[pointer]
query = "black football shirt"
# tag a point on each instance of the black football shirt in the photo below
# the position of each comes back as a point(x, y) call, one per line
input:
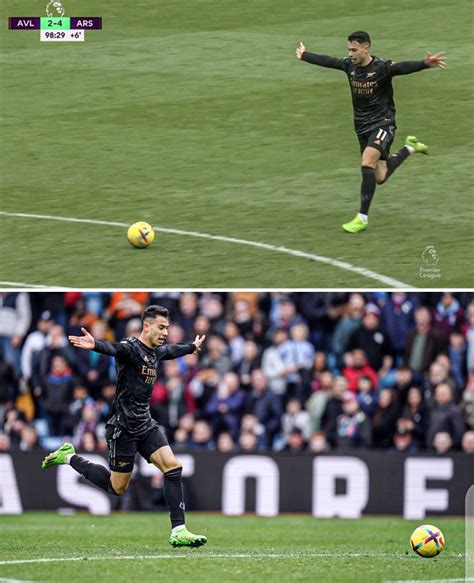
point(136, 365)
point(371, 87)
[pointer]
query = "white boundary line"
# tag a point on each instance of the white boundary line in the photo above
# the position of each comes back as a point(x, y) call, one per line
point(200, 555)
point(18, 284)
point(430, 580)
point(394, 283)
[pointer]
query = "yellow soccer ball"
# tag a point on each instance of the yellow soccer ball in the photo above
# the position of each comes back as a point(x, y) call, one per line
point(140, 234)
point(427, 541)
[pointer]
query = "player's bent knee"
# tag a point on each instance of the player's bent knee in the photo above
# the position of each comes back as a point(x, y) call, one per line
point(165, 460)
point(370, 157)
point(381, 172)
point(119, 490)
point(119, 484)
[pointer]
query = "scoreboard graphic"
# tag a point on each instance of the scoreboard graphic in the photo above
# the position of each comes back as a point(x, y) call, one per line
point(55, 26)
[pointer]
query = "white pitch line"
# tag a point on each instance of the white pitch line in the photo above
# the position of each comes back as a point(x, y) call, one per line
point(431, 580)
point(203, 555)
point(22, 284)
point(394, 283)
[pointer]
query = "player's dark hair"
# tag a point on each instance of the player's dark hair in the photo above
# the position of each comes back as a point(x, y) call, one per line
point(154, 311)
point(359, 36)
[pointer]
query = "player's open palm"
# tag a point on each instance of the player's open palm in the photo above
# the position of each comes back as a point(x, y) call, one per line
point(86, 342)
point(198, 342)
point(300, 50)
point(437, 60)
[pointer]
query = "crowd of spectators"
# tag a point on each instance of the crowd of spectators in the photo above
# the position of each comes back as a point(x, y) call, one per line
point(294, 372)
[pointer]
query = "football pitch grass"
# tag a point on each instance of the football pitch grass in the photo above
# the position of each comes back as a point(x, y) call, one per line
point(199, 119)
point(134, 547)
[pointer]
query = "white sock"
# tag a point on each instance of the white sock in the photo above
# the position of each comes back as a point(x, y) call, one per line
point(178, 528)
point(67, 459)
point(362, 217)
point(411, 149)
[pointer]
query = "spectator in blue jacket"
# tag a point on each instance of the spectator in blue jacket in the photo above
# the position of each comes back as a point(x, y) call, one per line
point(57, 394)
point(93, 367)
point(367, 395)
point(397, 319)
point(353, 427)
point(447, 315)
point(457, 357)
point(201, 436)
point(224, 409)
point(265, 405)
point(350, 321)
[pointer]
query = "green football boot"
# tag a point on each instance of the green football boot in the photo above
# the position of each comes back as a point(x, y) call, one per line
point(355, 225)
point(59, 456)
point(419, 147)
point(184, 538)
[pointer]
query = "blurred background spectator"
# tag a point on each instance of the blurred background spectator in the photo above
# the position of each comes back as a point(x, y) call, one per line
point(353, 427)
point(448, 315)
point(445, 416)
point(469, 335)
point(372, 340)
point(297, 372)
point(397, 318)
point(318, 443)
point(403, 440)
point(384, 419)
point(424, 343)
point(294, 441)
point(415, 417)
point(351, 319)
point(15, 320)
point(297, 355)
point(224, 409)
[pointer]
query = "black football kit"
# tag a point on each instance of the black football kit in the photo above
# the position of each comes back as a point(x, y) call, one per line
point(130, 427)
point(372, 95)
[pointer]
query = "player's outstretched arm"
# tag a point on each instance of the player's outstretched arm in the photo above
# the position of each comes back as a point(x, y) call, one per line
point(315, 59)
point(86, 342)
point(430, 61)
point(172, 351)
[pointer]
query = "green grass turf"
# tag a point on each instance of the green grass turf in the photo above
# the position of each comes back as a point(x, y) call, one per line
point(295, 548)
point(199, 117)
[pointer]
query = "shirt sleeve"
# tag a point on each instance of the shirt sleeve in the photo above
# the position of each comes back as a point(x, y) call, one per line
point(323, 61)
point(121, 350)
point(172, 351)
point(407, 67)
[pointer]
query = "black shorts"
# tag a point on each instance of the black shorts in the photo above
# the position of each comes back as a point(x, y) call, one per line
point(381, 139)
point(123, 447)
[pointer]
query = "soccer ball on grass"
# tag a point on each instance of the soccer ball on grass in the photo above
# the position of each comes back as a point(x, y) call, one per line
point(140, 234)
point(427, 541)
